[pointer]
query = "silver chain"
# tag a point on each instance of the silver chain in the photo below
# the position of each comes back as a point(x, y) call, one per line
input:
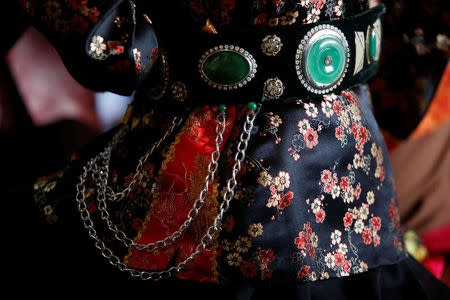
point(101, 178)
point(101, 181)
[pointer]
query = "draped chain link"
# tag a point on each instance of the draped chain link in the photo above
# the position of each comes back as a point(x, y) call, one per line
point(100, 178)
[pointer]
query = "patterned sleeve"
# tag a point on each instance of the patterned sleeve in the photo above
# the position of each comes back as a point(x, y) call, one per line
point(105, 45)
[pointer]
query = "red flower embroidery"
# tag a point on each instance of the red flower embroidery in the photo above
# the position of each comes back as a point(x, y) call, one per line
point(115, 47)
point(376, 223)
point(344, 183)
point(266, 273)
point(286, 200)
point(367, 236)
point(229, 223)
point(301, 240)
point(326, 176)
point(339, 259)
point(338, 132)
point(337, 107)
point(303, 272)
point(249, 269)
point(265, 256)
point(311, 138)
point(320, 216)
point(348, 219)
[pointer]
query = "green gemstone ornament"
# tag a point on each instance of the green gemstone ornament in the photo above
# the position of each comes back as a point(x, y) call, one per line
point(252, 106)
point(222, 107)
point(226, 67)
point(326, 61)
point(372, 45)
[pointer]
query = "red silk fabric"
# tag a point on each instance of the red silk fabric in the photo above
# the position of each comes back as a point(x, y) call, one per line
point(180, 181)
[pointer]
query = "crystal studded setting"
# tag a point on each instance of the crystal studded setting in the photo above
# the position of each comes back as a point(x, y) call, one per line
point(271, 45)
point(273, 88)
point(227, 67)
point(322, 59)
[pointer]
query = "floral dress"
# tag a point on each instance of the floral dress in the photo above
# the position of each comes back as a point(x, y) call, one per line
point(314, 199)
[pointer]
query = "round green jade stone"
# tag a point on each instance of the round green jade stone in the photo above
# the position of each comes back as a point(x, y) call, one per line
point(373, 45)
point(326, 61)
point(252, 106)
point(226, 67)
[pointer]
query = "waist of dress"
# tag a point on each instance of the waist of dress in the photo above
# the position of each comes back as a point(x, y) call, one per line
point(282, 64)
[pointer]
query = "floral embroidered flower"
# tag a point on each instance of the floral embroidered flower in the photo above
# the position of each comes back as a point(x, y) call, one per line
point(329, 260)
point(348, 219)
point(53, 9)
point(243, 244)
point(264, 178)
point(342, 248)
point(337, 107)
point(266, 273)
point(327, 109)
point(316, 205)
point(255, 229)
point(311, 110)
point(324, 275)
point(234, 259)
point(273, 200)
point(359, 226)
point(249, 269)
point(115, 47)
point(311, 138)
point(325, 176)
point(97, 45)
point(335, 191)
point(336, 237)
point(137, 59)
point(346, 268)
point(266, 256)
point(376, 223)
point(363, 267)
point(289, 18)
point(367, 236)
point(349, 194)
point(344, 183)
point(282, 181)
point(303, 126)
point(338, 132)
point(301, 240)
point(338, 8)
point(286, 200)
point(320, 216)
point(370, 197)
point(362, 135)
point(364, 211)
point(304, 271)
point(93, 14)
point(229, 223)
point(314, 240)
point(275, 120)
point(339, 259)
point(330, 97)
point(376, 240)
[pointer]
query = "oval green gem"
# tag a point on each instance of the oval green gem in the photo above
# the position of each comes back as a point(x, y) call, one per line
point(372, 45)
point(326, 60)
point(226, 67)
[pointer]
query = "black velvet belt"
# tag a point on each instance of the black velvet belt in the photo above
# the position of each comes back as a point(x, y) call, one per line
point(270, 64)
